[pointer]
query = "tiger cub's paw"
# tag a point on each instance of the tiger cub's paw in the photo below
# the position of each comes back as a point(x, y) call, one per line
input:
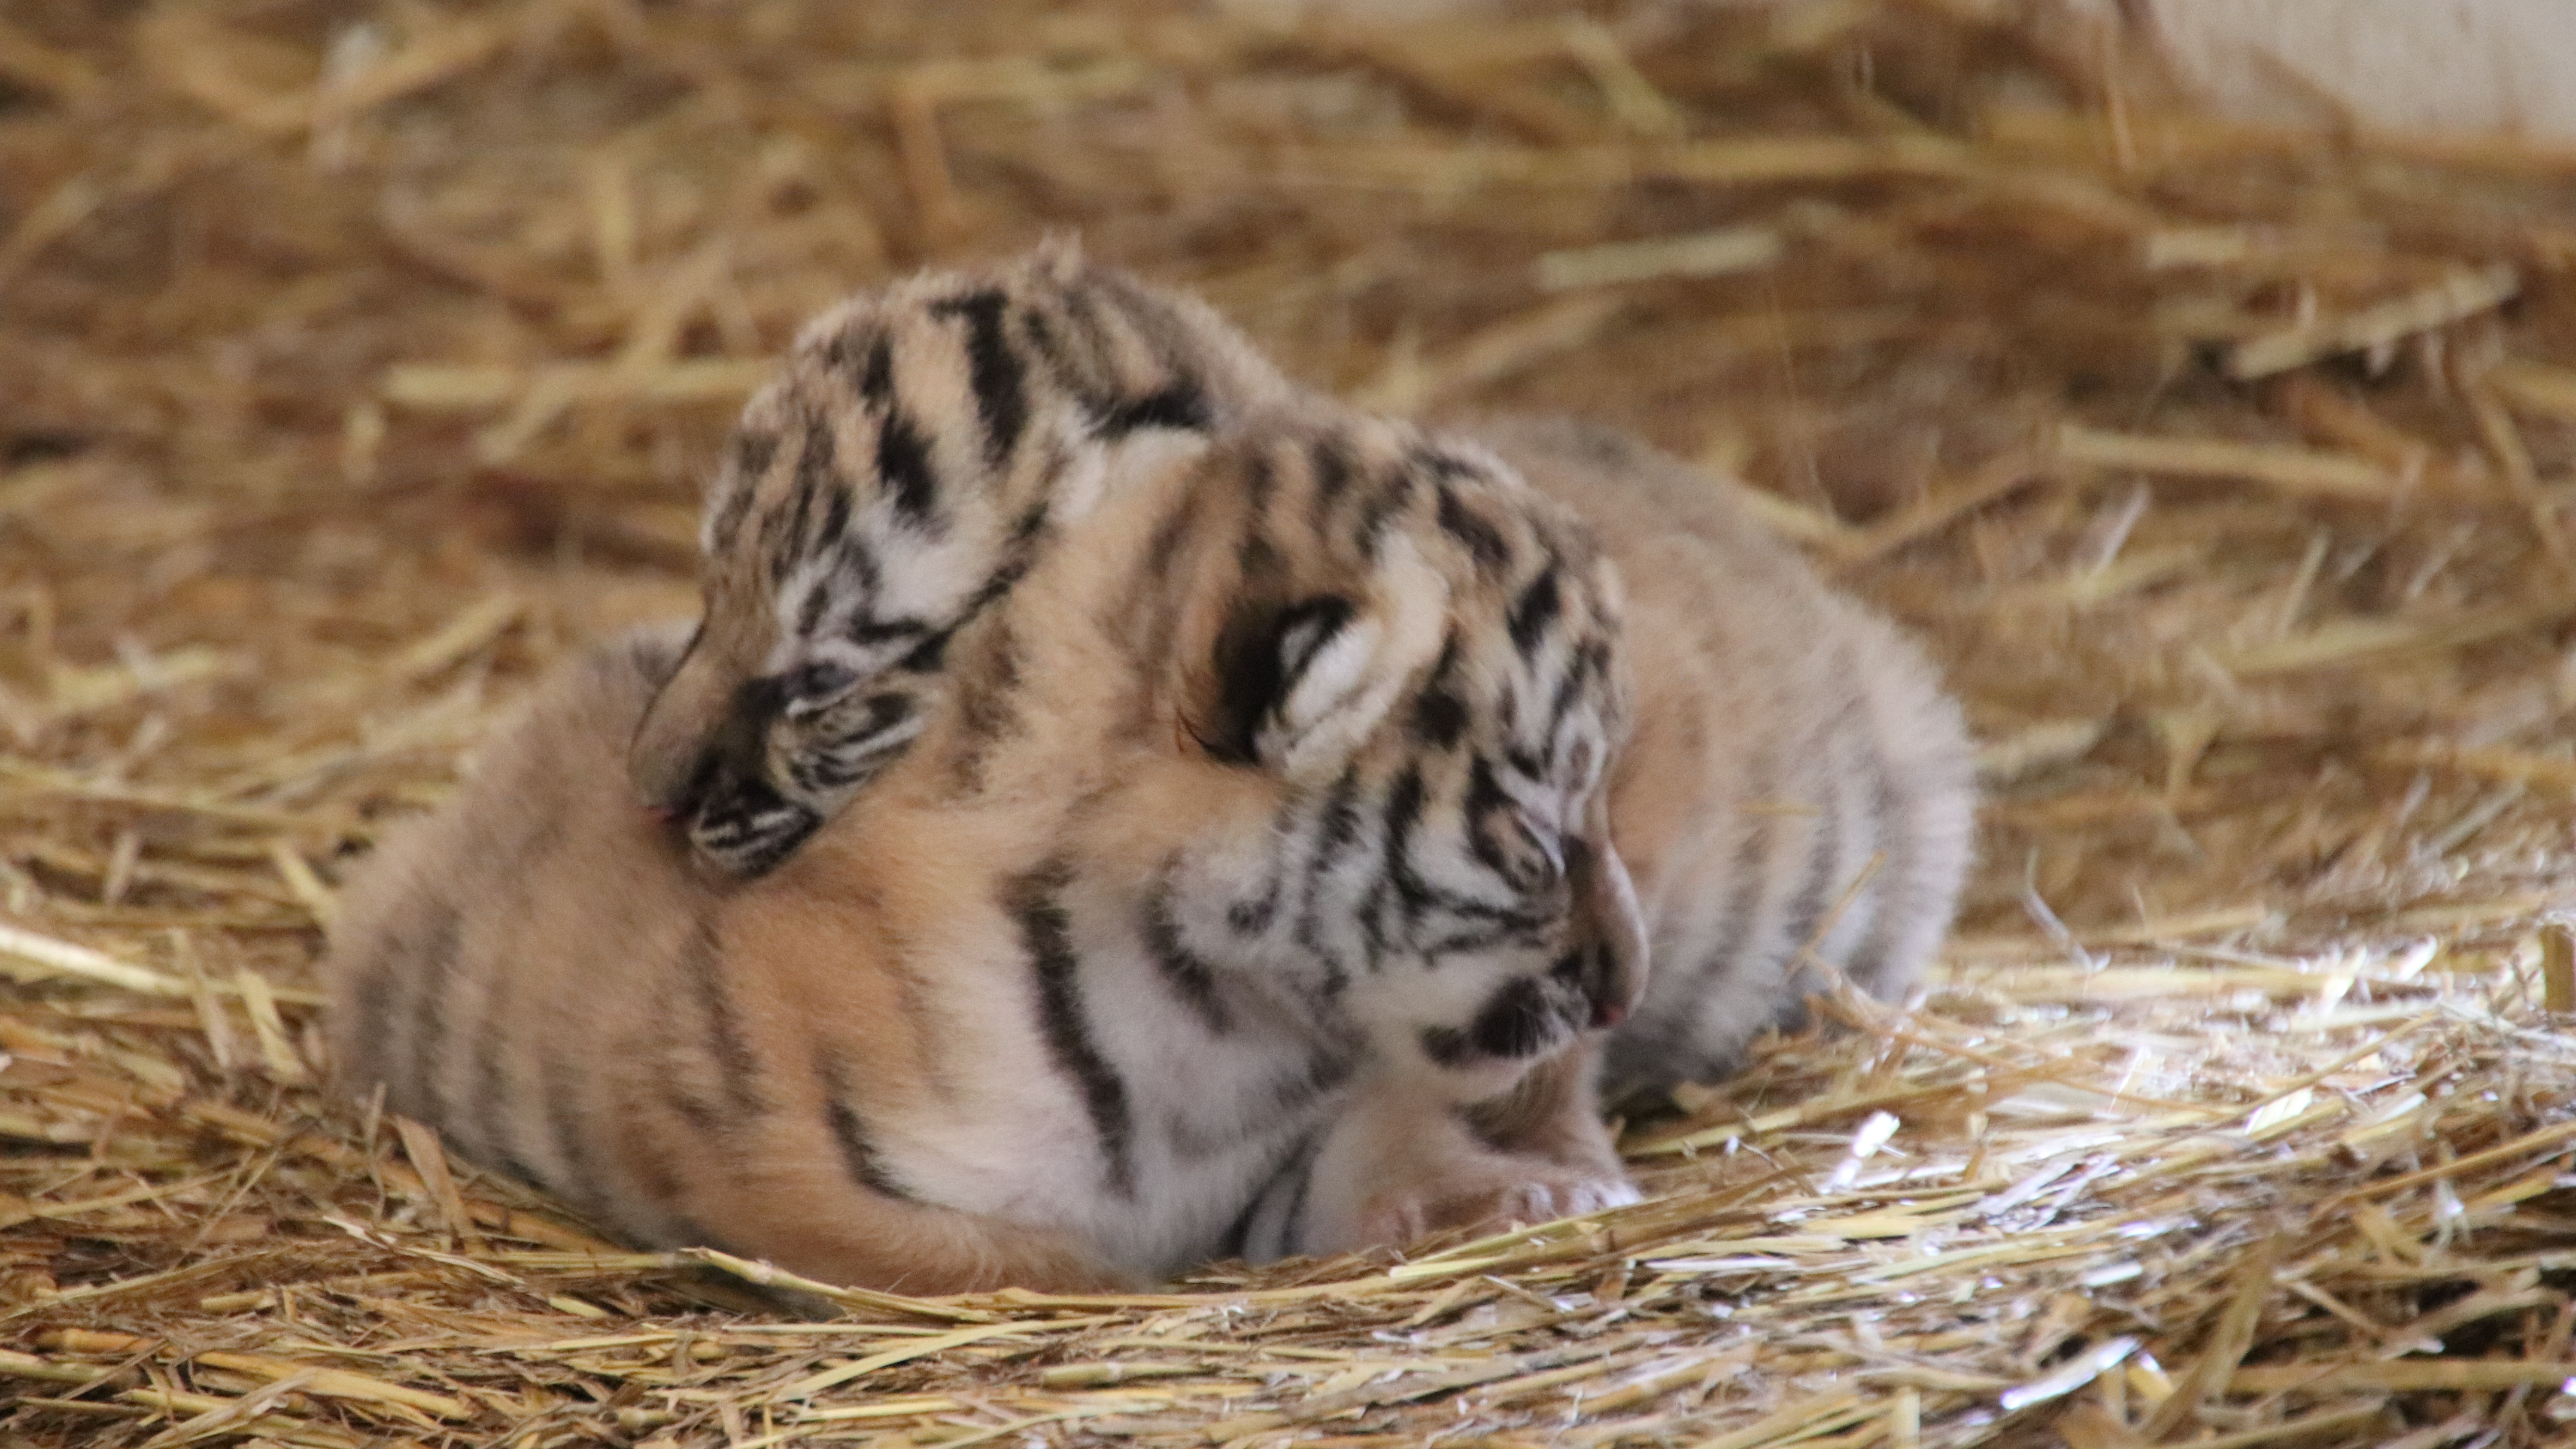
point(1490, 1197)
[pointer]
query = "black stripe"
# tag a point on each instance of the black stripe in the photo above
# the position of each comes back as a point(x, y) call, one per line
point(986, 709)
point(373, 1001)
point(1735, 927)
point(699, 1112)
point(857, 563)
point(1480, 537)
point(999, 582)
point(1868, 960)
point(491, 1085)
point(884, 631)
point(727, 823)
point(1254, 916)
point(688, 1233)
point(1292, 1226)
point(1807, 906)
point(1337, 831)
point(1439, 715)
point(1087, 354)
point(1487, 809)
point(1239, 1232)
point(1391, 498)
point(1042, 341)
point(1165, 545)
point(1185, 970)
point(659, 1177)
point(859, 1156)
point(418, 953)
point(1031, 523)
point(994, 371)
point(1260, 482)
point(1417, 895)
point(432, 950)
point(1258, 557)
point(1374, 937)
point(752, 452)
point(1046, 935)
point(1181, 403)
point(903, 460)
point(574, 1145)
point(927, 656)
point(1325, 1070)
point(1534, 610)
point(1445, 1045)
point(517, 1167)
point(836, 519)
point(1569, 692)
point(1298, 1162)
point(1446, 466)
point(738, 1066)
point(1330, 458)
point(1516, 1022)
point(817, 473)
point(876, 380)
point(1403, 815)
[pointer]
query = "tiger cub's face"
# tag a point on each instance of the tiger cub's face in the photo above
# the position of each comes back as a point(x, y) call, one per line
point(889, 486)
point(1405, 664)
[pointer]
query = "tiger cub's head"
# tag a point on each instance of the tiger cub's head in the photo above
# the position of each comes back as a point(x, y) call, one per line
point(893, 481)
point(1394, 692)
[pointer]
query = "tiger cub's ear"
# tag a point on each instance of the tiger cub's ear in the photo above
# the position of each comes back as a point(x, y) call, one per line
point(1298, 681)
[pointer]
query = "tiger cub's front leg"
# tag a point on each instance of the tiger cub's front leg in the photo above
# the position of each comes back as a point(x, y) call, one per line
point(1403, 1162)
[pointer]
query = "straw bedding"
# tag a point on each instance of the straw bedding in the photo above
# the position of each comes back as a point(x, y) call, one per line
point(358, 361)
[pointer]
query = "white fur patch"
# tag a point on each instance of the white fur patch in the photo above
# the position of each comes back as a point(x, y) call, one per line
point(1347, 689)
point(1093, 468)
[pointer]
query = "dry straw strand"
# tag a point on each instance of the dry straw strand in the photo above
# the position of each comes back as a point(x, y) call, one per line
point(362, 361)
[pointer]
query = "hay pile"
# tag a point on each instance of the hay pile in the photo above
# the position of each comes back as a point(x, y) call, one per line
point(357, 362)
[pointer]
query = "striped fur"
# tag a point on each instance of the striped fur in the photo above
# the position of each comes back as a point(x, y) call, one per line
point(920, 443)
point(1798, 794)
point(1251, 890)
point(1802, 788)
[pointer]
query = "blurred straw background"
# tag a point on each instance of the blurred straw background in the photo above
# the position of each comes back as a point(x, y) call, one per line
point(357, 361)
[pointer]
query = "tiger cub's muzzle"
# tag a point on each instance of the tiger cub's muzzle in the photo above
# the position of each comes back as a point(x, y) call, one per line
point(699, 760)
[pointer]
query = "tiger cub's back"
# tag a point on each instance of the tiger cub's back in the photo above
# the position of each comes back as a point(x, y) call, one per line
point(1797, 780)
point(1266, 831)
point(450, 960)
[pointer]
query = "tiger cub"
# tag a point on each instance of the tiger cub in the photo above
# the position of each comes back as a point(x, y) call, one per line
point(1250, 892)
point(1799, 794)
point(1800, 769)
point(899, 474)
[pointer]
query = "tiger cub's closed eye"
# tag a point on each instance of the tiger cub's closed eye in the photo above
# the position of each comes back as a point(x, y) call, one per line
point(1546, 844)
point(809, 687)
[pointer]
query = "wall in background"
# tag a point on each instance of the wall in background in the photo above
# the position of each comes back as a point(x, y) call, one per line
point(2436, 65)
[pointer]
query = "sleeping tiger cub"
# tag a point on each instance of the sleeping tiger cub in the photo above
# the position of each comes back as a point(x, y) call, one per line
point(1799, 794)
point(1800, 769)
point(1250, 891)
point(920, 442)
